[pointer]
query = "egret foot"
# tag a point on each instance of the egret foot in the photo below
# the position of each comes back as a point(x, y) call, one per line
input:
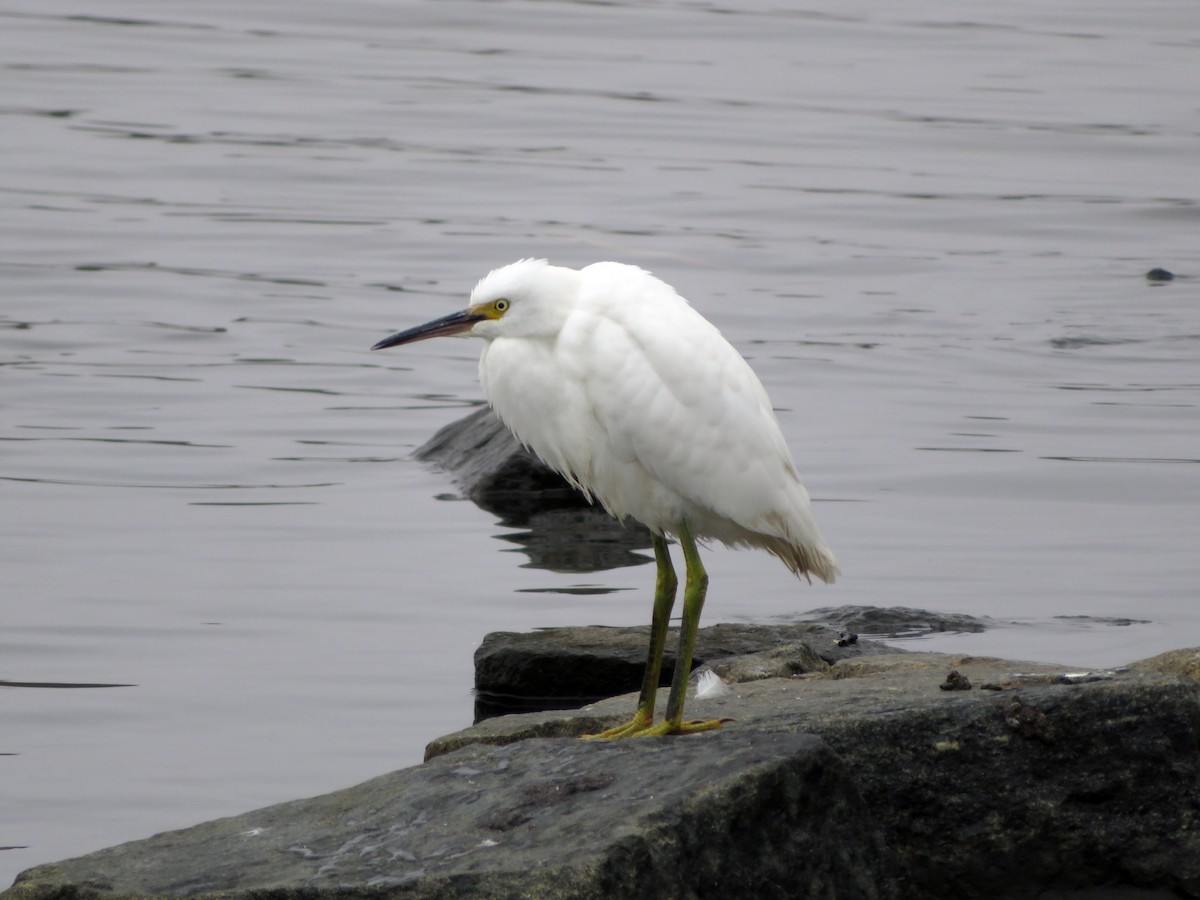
point(635, 726)
point(640, 726)
point(695, 725)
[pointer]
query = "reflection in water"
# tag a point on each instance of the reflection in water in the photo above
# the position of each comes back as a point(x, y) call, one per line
point(60, 684)
point(578, 540)
point(579, 590)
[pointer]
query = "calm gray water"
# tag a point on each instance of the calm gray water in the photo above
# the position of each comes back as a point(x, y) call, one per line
point(926, 225)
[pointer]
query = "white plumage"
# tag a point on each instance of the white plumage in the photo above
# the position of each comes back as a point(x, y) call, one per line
point(613, 380)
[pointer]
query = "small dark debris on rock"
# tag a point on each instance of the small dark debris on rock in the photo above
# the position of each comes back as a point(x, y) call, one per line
point(956, 681)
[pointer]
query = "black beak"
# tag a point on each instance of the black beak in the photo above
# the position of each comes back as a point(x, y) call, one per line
point(455, 323)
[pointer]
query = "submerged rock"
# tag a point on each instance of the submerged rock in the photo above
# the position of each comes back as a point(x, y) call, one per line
point(486, 459)
point(560, 529)
point(861, 780)
point(894, 621)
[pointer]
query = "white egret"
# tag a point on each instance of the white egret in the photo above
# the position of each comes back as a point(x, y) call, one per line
point(615, 382)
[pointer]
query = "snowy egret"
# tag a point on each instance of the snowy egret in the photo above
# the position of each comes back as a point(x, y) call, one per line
point(615, 382)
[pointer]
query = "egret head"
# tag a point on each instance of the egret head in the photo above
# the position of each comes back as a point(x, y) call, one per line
point(524, 298)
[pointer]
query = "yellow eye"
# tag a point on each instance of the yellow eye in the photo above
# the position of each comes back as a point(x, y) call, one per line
point(500, 305)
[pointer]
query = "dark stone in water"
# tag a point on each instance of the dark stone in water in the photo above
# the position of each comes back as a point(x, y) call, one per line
point(487, 461)
point(563, 532)
point(553, 668)
point(1160, 275)
point(1103, 620)
point(894, 621)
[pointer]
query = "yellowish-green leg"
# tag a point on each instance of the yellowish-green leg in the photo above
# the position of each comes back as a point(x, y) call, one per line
point(694, 589)
point(664, 599)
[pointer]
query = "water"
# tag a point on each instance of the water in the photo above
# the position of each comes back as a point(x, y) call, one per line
point(927, 227)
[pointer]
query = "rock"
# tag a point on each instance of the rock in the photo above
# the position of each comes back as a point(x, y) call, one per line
point(1159, 275)
point(555, 667)
point(1173, 662)
point(563, 531)
point(956, 681)
point(864, 779)
point(486, 459)
point(1116, 621)
point(893, 621)
point(746, 815)
point(1046, 782)
point(784, 661)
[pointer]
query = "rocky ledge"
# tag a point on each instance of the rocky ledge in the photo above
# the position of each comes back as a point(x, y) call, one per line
point(552, 668)
point(874, 775)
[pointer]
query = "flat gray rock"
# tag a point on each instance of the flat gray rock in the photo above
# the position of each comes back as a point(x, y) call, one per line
point(865, 780)
point(715, 816)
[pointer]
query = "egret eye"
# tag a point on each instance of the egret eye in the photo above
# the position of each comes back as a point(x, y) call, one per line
point(501, 305)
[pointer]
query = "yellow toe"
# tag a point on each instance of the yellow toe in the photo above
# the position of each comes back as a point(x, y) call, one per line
point(635, 726)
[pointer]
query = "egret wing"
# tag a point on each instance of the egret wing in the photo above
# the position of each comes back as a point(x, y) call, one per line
point(672, 397)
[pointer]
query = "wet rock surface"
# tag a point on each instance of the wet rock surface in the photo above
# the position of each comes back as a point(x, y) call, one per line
point(861, 780)
point(553, 667)
point(564, 818)
point(894, 621)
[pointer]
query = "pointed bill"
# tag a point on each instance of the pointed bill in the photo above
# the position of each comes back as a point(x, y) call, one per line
point(455, 323)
